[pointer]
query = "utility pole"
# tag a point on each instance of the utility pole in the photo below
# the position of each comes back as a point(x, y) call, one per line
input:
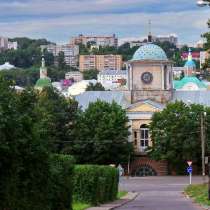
point(203, 144)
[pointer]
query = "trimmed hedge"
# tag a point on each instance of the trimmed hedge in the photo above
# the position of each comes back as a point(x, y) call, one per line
point(61, 182)
point(95, 184)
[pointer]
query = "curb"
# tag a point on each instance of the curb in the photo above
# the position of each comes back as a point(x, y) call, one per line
point(118, 203)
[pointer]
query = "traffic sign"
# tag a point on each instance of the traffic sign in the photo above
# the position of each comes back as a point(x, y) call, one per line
point(189, 169)
point(189, 162)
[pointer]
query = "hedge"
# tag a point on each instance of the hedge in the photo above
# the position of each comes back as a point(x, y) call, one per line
point(61, 182)
point(43, 184)
point(95, 184)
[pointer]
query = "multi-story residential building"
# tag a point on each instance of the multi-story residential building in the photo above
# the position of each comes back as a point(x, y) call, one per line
point(95, 40)
point(100, 62)
point(172, 38)
point(71, 52)
point(204, 55)
point(75, 75)
point(3, 43)
point(13, 45)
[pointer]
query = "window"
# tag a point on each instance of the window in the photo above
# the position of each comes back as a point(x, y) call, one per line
point(135, 138)
point(144, 137)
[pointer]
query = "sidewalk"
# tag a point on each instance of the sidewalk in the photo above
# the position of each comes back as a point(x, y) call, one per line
point(129, 197)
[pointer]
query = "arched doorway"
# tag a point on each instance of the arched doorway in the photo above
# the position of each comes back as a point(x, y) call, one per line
point(145, 170)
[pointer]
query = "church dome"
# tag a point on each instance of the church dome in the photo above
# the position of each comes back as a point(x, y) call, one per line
point(150, 52)
point(190, 64)
point(43, 82)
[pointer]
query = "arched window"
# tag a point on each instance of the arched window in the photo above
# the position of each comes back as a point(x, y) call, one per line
point(144, 137)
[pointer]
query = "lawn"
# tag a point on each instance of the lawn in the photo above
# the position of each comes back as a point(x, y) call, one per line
point(199, 193)
point(83, 206)
point(80, 206)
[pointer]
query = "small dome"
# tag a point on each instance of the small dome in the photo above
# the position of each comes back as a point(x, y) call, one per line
point(190, 64)
point(43, 82)
point(150, 52)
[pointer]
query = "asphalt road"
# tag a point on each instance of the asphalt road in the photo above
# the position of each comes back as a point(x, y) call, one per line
point(159, 193)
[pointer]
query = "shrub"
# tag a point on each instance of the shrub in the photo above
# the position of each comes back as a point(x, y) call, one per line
point(61, 182)
point(95, 184)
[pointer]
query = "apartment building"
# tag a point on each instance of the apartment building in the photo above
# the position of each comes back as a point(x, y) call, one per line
point(71, 52)
point(103, 41)
point(100, 62)
point(5, 44)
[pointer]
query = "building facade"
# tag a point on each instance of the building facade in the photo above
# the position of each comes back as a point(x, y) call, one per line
point(75, 75)
point(71, 53)
point(100, 62)
point(103, 41)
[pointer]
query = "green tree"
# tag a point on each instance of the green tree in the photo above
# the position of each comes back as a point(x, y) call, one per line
point(90, 74)
point(101, 135)
point(24, 151)
point(61, 115)
point(61, 60)
point(177, 140)
point(97, 87)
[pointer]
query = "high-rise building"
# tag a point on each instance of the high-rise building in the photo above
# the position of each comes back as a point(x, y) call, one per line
point(71, 52)
point(172, 38)
point(100, 62)
point(103, 41)
point(3, 43)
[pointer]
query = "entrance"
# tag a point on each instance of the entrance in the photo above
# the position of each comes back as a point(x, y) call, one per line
point(145, 170)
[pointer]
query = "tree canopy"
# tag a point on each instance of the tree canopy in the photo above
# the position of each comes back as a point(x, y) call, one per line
point(97, 87)
point(101, 135)
point(178, 140)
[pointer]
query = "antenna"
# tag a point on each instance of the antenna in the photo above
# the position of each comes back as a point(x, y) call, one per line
point(150, 33)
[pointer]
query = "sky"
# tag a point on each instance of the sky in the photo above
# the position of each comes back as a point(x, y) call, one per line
point(58, 20)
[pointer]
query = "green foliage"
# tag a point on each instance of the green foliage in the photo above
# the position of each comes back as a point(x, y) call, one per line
point(177, 140)
point(61, 182)
point(97, 87)
point(24, 156)
point(28, 53)
point(95, 184)
point(100, 135)
point(90, 74)
point(61, 115)
point(199, 193)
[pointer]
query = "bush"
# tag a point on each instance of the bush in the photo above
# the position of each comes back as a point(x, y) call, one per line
point(61, 182)
point(95, 184)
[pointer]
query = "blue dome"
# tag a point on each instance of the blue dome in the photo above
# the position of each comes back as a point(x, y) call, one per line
point(150, 52)
point(190, 64)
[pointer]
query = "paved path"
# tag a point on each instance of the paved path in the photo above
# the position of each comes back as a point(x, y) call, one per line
point(159, 193)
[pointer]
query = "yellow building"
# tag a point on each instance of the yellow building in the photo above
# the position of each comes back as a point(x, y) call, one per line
point(100, 62)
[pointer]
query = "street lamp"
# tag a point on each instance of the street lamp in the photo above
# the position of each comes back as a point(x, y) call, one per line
point(203, 3)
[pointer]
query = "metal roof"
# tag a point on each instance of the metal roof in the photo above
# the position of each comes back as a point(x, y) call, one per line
point(108, 96)
point(189, 97)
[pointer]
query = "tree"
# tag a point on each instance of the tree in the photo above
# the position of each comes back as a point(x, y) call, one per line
point(101, 135)
point(24, 151)
point(177, 140)
point(61, 60)
point(61, 115)
point(97, 87)
point(90, 74)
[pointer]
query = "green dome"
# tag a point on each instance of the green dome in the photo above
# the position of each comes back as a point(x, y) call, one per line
point(45, 82)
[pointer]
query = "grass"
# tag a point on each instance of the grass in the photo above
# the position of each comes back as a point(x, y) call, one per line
point(121, 194)
point(199, 193)
point(83, 206)
point(80, 206)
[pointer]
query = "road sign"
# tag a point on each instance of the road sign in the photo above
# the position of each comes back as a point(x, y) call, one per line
point(189, 169)
point(189, 162)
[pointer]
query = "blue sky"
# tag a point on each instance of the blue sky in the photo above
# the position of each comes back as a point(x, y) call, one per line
point(58, 20)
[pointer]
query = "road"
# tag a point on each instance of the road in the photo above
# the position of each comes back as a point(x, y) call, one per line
point(159, 193)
